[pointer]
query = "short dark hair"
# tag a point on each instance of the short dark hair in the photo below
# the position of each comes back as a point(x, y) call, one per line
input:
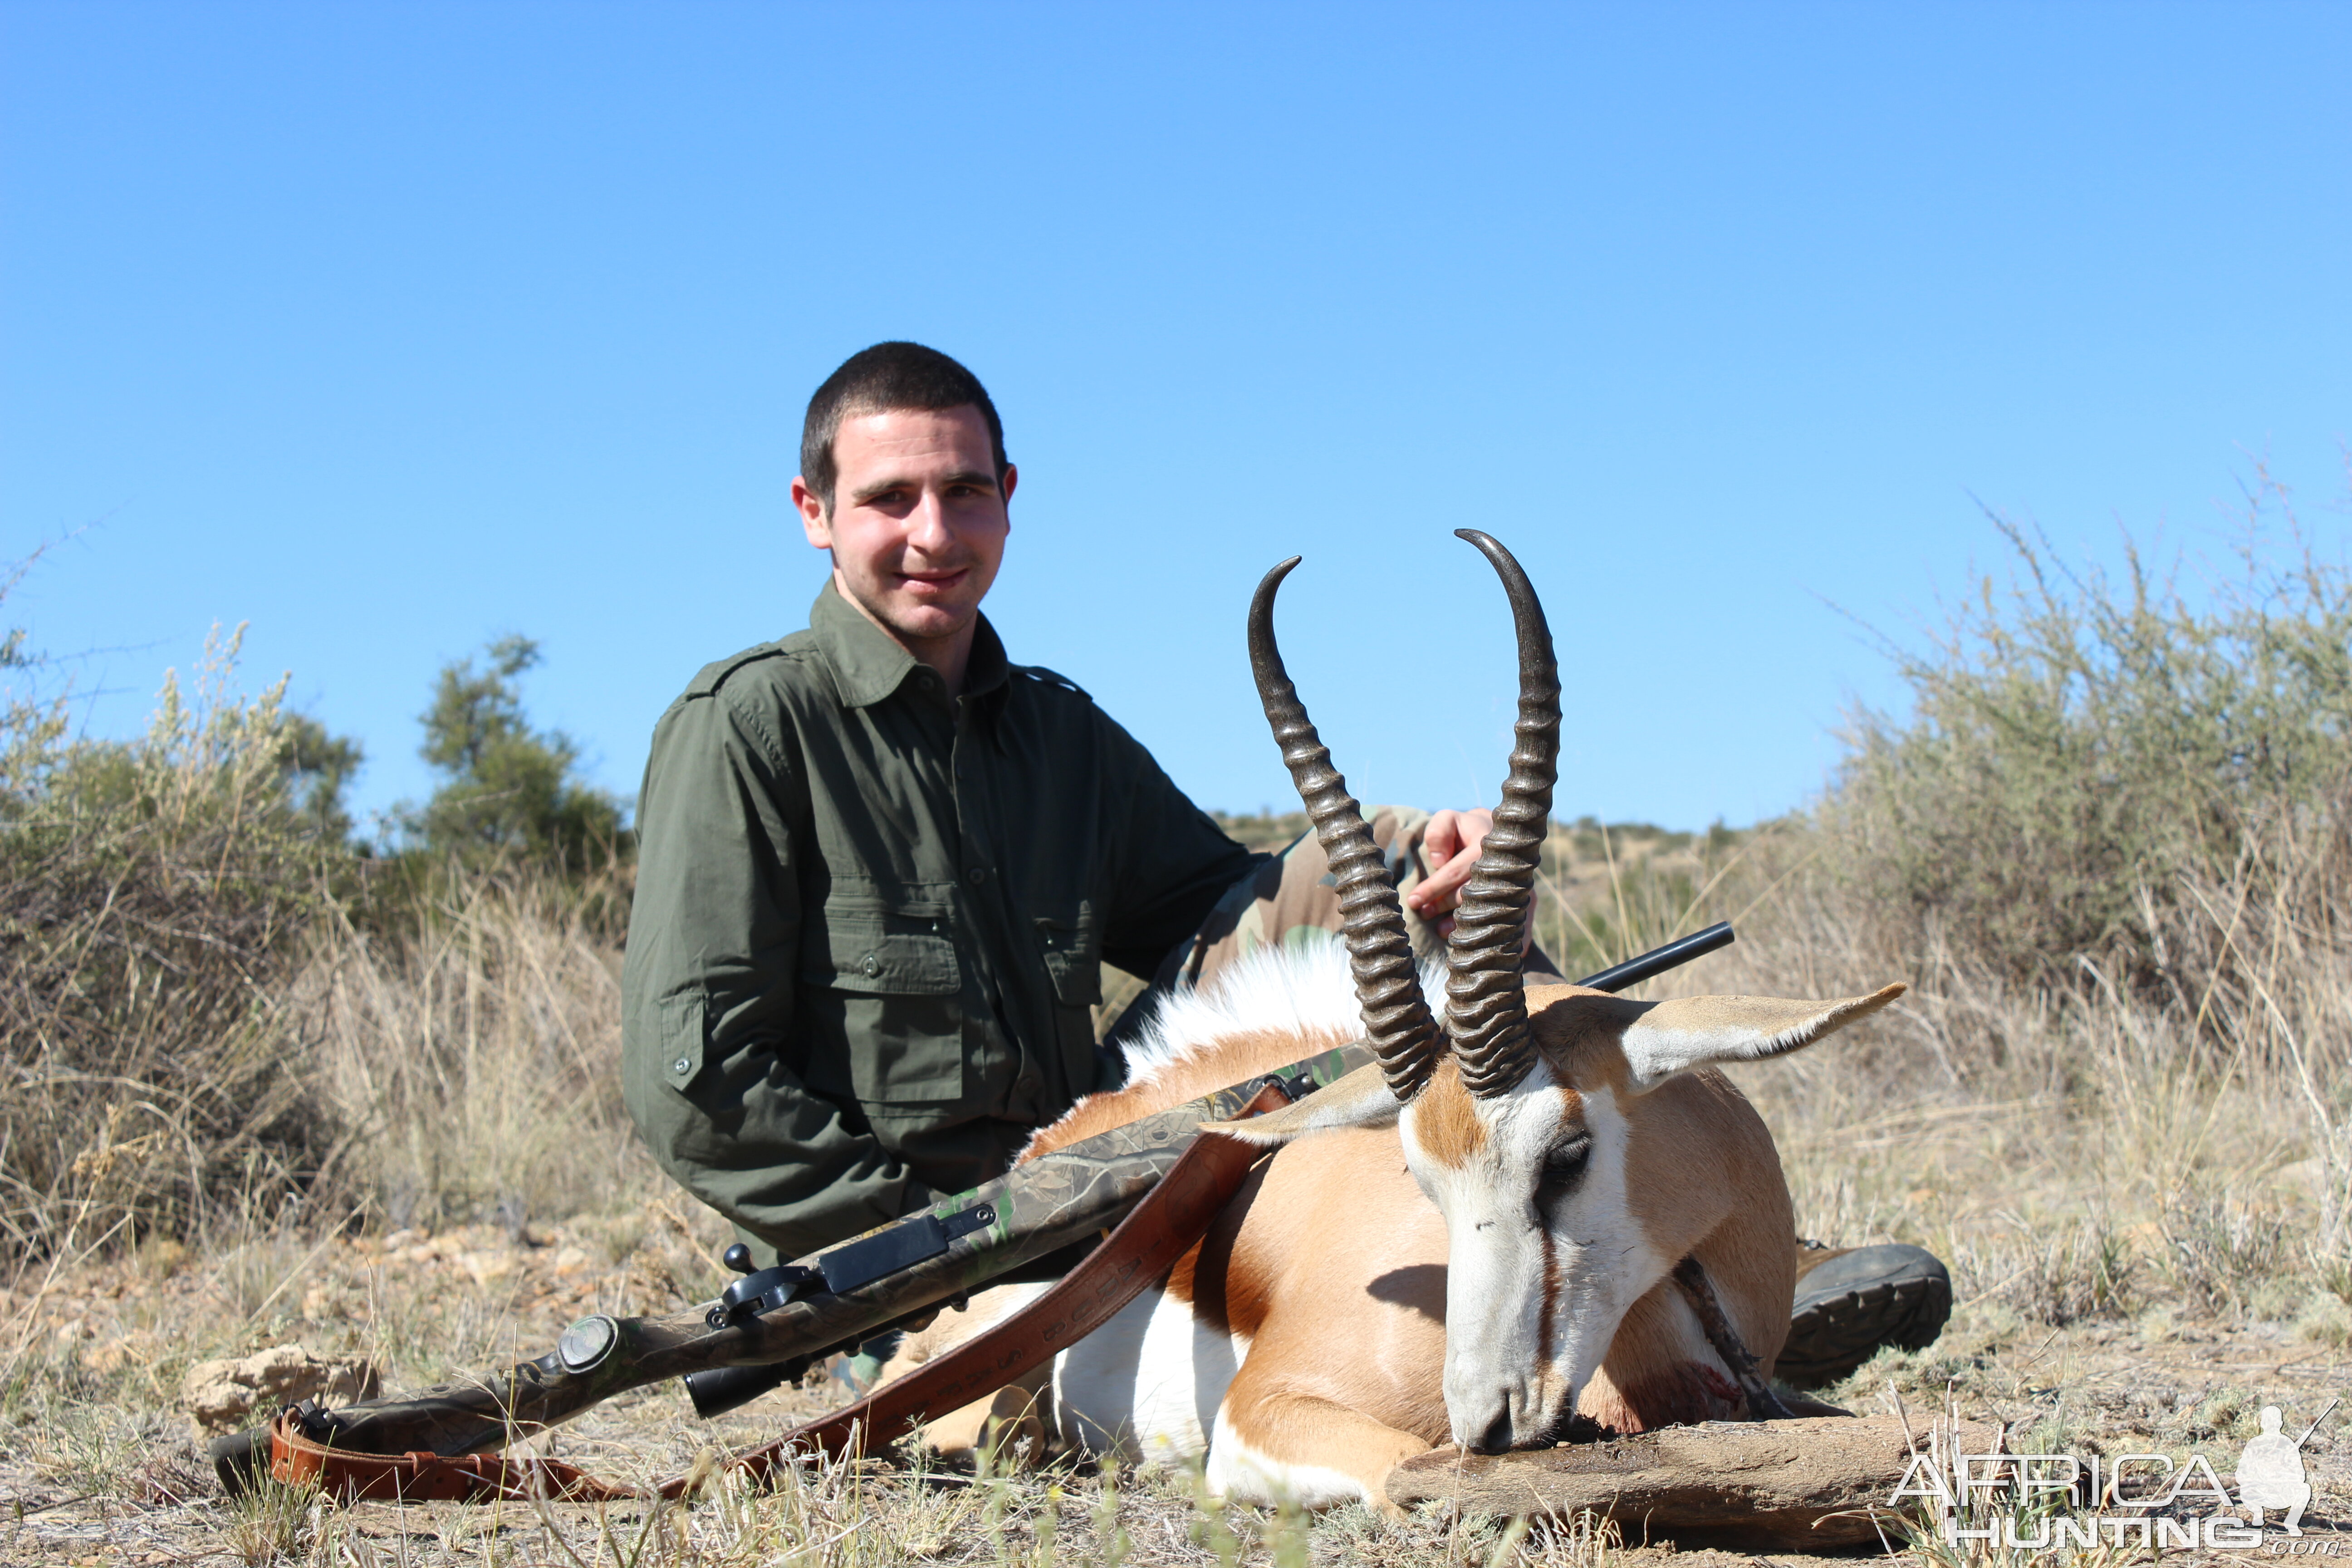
point(880, 380)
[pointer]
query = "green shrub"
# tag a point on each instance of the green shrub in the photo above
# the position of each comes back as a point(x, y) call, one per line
point(151, 894)
point(2093, 768)
point(509, 791)
point(213, 1007)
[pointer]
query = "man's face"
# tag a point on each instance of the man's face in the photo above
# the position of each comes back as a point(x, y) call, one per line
point(917, 522)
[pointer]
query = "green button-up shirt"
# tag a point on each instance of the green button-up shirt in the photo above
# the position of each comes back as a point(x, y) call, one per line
point(870, 921)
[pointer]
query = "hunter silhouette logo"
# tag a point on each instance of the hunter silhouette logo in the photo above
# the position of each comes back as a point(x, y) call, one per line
point(2271, 1472)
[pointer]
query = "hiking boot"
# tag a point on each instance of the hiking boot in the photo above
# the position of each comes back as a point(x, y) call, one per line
point(1852, 1301)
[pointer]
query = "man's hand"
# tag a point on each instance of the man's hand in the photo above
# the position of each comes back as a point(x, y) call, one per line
point(1450, 845)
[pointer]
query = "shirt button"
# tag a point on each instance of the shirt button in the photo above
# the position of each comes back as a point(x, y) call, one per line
point(872, 966)
point(976, 876)
point(680, 1065)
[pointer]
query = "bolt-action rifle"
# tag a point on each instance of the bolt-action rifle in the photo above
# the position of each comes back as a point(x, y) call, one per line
point(770, 1324)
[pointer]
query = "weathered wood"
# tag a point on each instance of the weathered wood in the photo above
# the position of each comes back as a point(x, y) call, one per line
point(1811, 1483)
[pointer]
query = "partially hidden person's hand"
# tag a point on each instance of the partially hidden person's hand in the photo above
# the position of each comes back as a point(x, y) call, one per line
point(1450, 845)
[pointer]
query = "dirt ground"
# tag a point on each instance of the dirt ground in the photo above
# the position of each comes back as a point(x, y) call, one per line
point(99, 1464)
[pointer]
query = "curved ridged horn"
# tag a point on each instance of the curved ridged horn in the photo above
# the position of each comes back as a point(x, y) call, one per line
point(1397, 1021)
point(1486, 995)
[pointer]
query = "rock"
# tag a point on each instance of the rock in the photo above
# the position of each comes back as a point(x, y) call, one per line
point(1807, 1485)
point(488, 1268)
point(124, 1350)
point(229, 1395)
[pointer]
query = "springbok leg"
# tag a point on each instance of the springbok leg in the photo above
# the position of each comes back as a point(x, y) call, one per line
point(1296, 1447)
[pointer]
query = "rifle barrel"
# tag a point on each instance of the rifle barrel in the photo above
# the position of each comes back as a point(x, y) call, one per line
point(1658, 960)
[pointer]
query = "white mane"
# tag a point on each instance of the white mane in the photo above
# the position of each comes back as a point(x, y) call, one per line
point(1301, 986)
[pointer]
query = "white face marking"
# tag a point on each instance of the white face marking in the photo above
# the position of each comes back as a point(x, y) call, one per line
point(1542, 1265)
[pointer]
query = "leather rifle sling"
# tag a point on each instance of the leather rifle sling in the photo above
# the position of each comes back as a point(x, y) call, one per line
point(1156, 1233)
point(1167, 1223)
point(420, 1476)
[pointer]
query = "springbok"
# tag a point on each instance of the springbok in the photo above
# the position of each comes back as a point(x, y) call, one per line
point(1470, 1241)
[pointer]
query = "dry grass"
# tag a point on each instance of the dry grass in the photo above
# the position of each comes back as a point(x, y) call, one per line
point(475, 1056)
point(2141, 1240)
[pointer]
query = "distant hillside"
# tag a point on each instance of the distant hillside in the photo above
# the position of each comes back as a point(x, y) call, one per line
point(1608, 890)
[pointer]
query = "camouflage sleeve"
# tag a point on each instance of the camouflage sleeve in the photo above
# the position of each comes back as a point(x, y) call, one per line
point(1290, 898)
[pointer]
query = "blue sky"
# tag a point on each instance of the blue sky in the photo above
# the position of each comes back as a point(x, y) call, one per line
point(392, 329)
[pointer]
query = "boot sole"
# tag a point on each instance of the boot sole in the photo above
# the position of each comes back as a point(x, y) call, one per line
point(1829, 1337)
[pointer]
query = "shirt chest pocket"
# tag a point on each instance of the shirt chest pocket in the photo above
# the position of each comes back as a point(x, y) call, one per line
point(885, 989)
point(1073, 961)
point(1072, 964)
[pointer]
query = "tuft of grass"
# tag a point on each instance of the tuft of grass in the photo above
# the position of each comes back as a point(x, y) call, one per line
point(2221, 1252)
point(1585, 1540)
point(2325, 1322)
point(2075, 1272)
point(273, 1522)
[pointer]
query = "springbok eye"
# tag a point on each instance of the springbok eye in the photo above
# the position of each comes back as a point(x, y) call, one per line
point(1564, 1167)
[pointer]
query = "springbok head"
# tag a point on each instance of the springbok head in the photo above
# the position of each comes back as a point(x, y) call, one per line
point(1567, 1191)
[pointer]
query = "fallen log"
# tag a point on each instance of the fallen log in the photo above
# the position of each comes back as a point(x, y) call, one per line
point(1819, 1483)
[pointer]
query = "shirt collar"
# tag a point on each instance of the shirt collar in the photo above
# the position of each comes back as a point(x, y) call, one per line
point(868, 664)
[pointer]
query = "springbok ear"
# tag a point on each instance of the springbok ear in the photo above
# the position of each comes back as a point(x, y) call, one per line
point(1700, 1031)
point(1361, 1099)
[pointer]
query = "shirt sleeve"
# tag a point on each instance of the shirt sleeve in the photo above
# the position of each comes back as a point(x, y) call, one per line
point(1171, 863)
point(706, 993)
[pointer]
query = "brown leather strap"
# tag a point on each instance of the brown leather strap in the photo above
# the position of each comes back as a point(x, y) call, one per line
point(1158, 1231)
point(296, 1460)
